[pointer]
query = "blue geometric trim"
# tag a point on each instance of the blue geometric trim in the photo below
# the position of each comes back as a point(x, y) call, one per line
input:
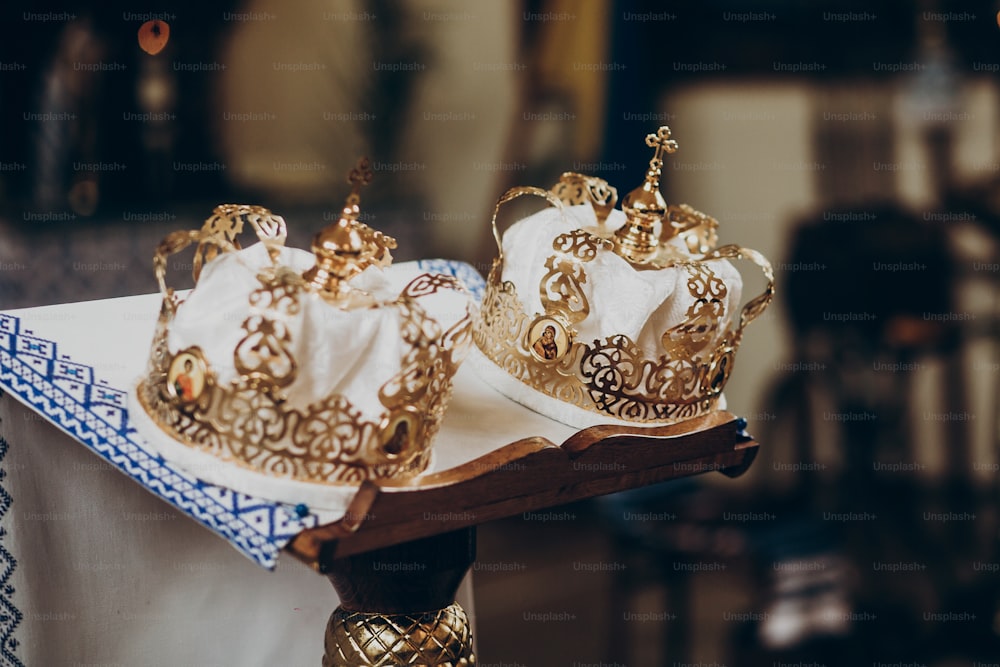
point(10, 615)
point(465, 273)
point(89, 410)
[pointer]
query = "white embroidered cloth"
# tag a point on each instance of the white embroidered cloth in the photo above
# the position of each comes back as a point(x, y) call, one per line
point(73, 364)
point(102, 560)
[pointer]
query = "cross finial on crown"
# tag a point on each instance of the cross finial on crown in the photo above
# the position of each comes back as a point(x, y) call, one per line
point(359, 176)
point(362, 173)
point(662, 142)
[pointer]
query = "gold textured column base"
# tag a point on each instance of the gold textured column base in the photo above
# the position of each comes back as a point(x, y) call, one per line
point(440, 638)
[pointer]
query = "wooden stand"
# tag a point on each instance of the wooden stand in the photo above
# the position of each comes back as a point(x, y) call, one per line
point(399, 554)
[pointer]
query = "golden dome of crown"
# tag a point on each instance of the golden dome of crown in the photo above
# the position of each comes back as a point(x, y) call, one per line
point(594, 314)
point(330, 367)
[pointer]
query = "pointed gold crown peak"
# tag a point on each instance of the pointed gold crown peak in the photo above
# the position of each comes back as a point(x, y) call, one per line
point(347, 247)
point(638, 239)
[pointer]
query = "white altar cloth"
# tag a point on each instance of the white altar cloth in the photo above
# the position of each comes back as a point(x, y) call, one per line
point(97, 568)
point(94, 570)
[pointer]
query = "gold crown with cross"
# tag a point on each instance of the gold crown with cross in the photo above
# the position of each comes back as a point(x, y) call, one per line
point(325, 367)
point(628, 314)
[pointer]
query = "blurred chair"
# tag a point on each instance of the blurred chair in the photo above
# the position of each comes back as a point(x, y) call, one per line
point(873, 300)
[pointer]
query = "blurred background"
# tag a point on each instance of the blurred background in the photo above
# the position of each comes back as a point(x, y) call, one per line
point(853, 143)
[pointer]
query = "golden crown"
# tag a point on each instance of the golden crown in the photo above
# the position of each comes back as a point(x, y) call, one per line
point(677, 366)
point(264, 403)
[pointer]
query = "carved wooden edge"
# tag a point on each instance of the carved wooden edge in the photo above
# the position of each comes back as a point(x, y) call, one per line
point(529, 475)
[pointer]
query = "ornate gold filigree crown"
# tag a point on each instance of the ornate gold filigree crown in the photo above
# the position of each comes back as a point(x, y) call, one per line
point(247, 378)
point(676, 366)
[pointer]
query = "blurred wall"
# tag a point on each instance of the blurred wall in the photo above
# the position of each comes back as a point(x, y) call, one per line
point(749, 156)
point(428, 90)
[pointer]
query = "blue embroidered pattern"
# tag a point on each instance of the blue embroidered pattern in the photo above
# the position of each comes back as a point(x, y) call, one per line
point(467, 275)
point(10, 615)
point(67, 394)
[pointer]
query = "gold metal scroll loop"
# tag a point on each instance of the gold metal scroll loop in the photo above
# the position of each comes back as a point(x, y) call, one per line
point(227, 221)
point(511, 195)
point(698, 230)
point(173, 243)
point(755, 306)
point(560, 289)
point(574, 189)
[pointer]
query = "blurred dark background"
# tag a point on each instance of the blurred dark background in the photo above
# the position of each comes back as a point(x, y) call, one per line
point(853, 143)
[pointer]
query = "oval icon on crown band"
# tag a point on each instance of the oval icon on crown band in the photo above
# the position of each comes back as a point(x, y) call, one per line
point(187, 376)
point(548, 339)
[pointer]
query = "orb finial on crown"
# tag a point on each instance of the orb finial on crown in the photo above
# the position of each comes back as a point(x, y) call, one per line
point(347, 247)
point(638, 240)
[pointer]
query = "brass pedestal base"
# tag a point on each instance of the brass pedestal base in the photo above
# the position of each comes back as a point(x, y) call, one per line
point(385, 595)
point(440, 638)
